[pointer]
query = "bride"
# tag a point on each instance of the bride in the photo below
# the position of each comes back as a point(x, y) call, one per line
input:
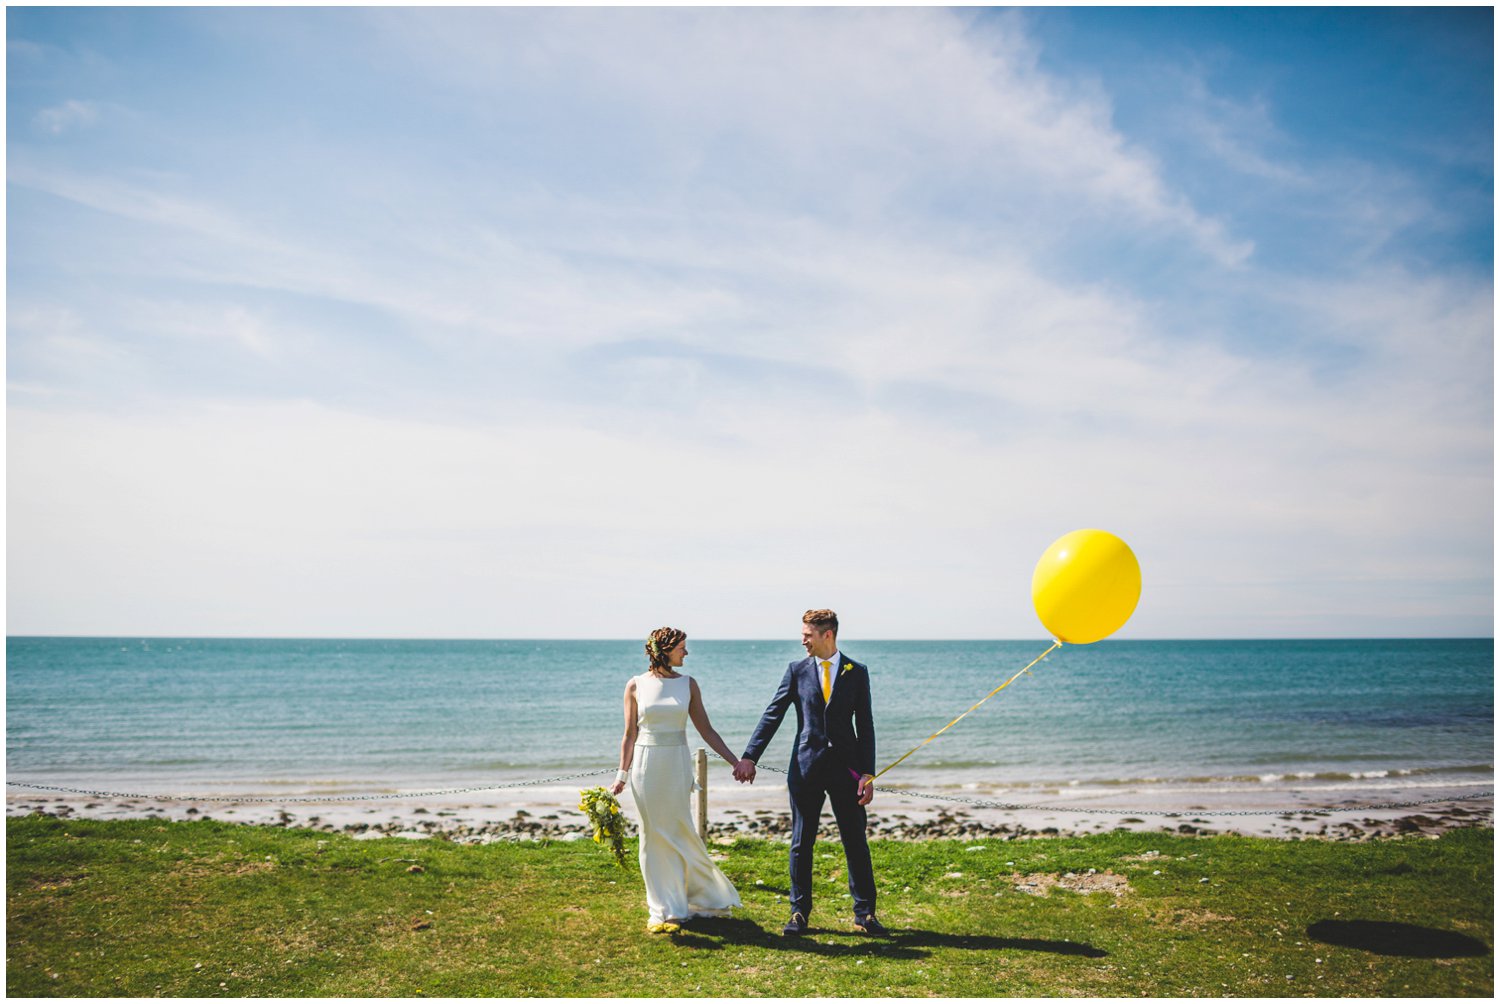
point(681, 880)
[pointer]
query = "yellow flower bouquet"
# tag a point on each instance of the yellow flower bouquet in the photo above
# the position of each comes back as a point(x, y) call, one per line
point(604, 815)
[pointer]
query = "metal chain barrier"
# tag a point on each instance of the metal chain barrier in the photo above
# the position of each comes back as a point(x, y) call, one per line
point(308, 798)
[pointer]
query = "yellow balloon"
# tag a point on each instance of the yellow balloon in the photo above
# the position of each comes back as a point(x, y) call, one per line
point(1086, 586)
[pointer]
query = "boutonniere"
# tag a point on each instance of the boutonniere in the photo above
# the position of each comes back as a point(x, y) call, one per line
point(847, 666)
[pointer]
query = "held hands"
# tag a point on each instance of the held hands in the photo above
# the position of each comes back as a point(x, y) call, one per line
point(744, 771)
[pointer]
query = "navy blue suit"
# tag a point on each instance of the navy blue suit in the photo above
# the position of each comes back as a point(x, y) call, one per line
point(835, 741)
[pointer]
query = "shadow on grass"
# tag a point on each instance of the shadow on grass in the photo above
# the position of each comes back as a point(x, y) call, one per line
point(713, 933)
point(1388, 937)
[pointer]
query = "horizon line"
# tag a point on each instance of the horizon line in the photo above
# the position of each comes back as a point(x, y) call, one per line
point(193, 637)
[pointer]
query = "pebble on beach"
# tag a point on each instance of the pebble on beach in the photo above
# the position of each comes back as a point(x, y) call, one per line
point(477, 824)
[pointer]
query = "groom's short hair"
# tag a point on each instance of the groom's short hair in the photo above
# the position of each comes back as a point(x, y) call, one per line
point(822, 620)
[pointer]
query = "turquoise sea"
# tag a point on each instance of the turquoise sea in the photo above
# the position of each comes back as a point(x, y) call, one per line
point(328, 716)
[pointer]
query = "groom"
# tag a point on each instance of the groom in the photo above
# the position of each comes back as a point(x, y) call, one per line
point(833, 758)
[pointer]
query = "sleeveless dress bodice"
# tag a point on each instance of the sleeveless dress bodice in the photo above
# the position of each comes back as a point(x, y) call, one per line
point(662, 710)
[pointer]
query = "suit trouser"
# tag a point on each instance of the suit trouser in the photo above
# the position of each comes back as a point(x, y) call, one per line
point(832, 780)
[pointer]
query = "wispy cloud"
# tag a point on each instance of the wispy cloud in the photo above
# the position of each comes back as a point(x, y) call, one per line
point(71, 114)
point(625, 310)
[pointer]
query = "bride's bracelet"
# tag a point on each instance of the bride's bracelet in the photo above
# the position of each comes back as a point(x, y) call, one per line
point(621, 776)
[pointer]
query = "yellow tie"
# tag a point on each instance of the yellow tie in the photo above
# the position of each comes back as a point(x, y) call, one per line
point(827, 682)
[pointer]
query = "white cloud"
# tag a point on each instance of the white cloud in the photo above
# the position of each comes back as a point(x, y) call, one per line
point(835, 101)
point(146, 200)
point(1253, 499)
point(1239, 133)
point(68, 116)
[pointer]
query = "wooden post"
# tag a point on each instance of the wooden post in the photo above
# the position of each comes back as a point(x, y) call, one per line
point(703, 794)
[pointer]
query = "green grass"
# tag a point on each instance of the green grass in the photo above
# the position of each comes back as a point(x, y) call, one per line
point(144, 907)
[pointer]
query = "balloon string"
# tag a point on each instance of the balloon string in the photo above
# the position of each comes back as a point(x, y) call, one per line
point(1025, 669)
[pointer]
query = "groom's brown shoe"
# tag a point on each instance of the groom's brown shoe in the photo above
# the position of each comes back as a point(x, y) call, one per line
point(869, 925)
point(797, 925)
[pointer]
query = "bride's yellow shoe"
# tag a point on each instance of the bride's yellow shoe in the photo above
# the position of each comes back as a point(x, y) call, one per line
point(664, 927)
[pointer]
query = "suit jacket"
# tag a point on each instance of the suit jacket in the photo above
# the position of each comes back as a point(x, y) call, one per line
point(843, 728)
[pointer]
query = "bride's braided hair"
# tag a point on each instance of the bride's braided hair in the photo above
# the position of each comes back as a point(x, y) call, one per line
point(658, 644)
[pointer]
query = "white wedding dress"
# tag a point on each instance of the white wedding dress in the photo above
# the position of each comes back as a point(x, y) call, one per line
point(682, 881)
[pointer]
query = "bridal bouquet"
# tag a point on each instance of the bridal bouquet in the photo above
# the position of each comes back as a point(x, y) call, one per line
point(604, 814)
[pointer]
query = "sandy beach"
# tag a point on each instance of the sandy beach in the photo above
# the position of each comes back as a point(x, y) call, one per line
point(1331, 812)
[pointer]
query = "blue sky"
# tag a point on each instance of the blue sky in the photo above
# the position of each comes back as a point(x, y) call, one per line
point(571, 323)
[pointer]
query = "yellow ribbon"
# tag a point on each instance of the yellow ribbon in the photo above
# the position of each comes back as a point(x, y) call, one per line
point(1026, 669)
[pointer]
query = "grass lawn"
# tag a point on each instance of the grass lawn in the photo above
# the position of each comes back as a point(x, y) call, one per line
point(144, 907)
